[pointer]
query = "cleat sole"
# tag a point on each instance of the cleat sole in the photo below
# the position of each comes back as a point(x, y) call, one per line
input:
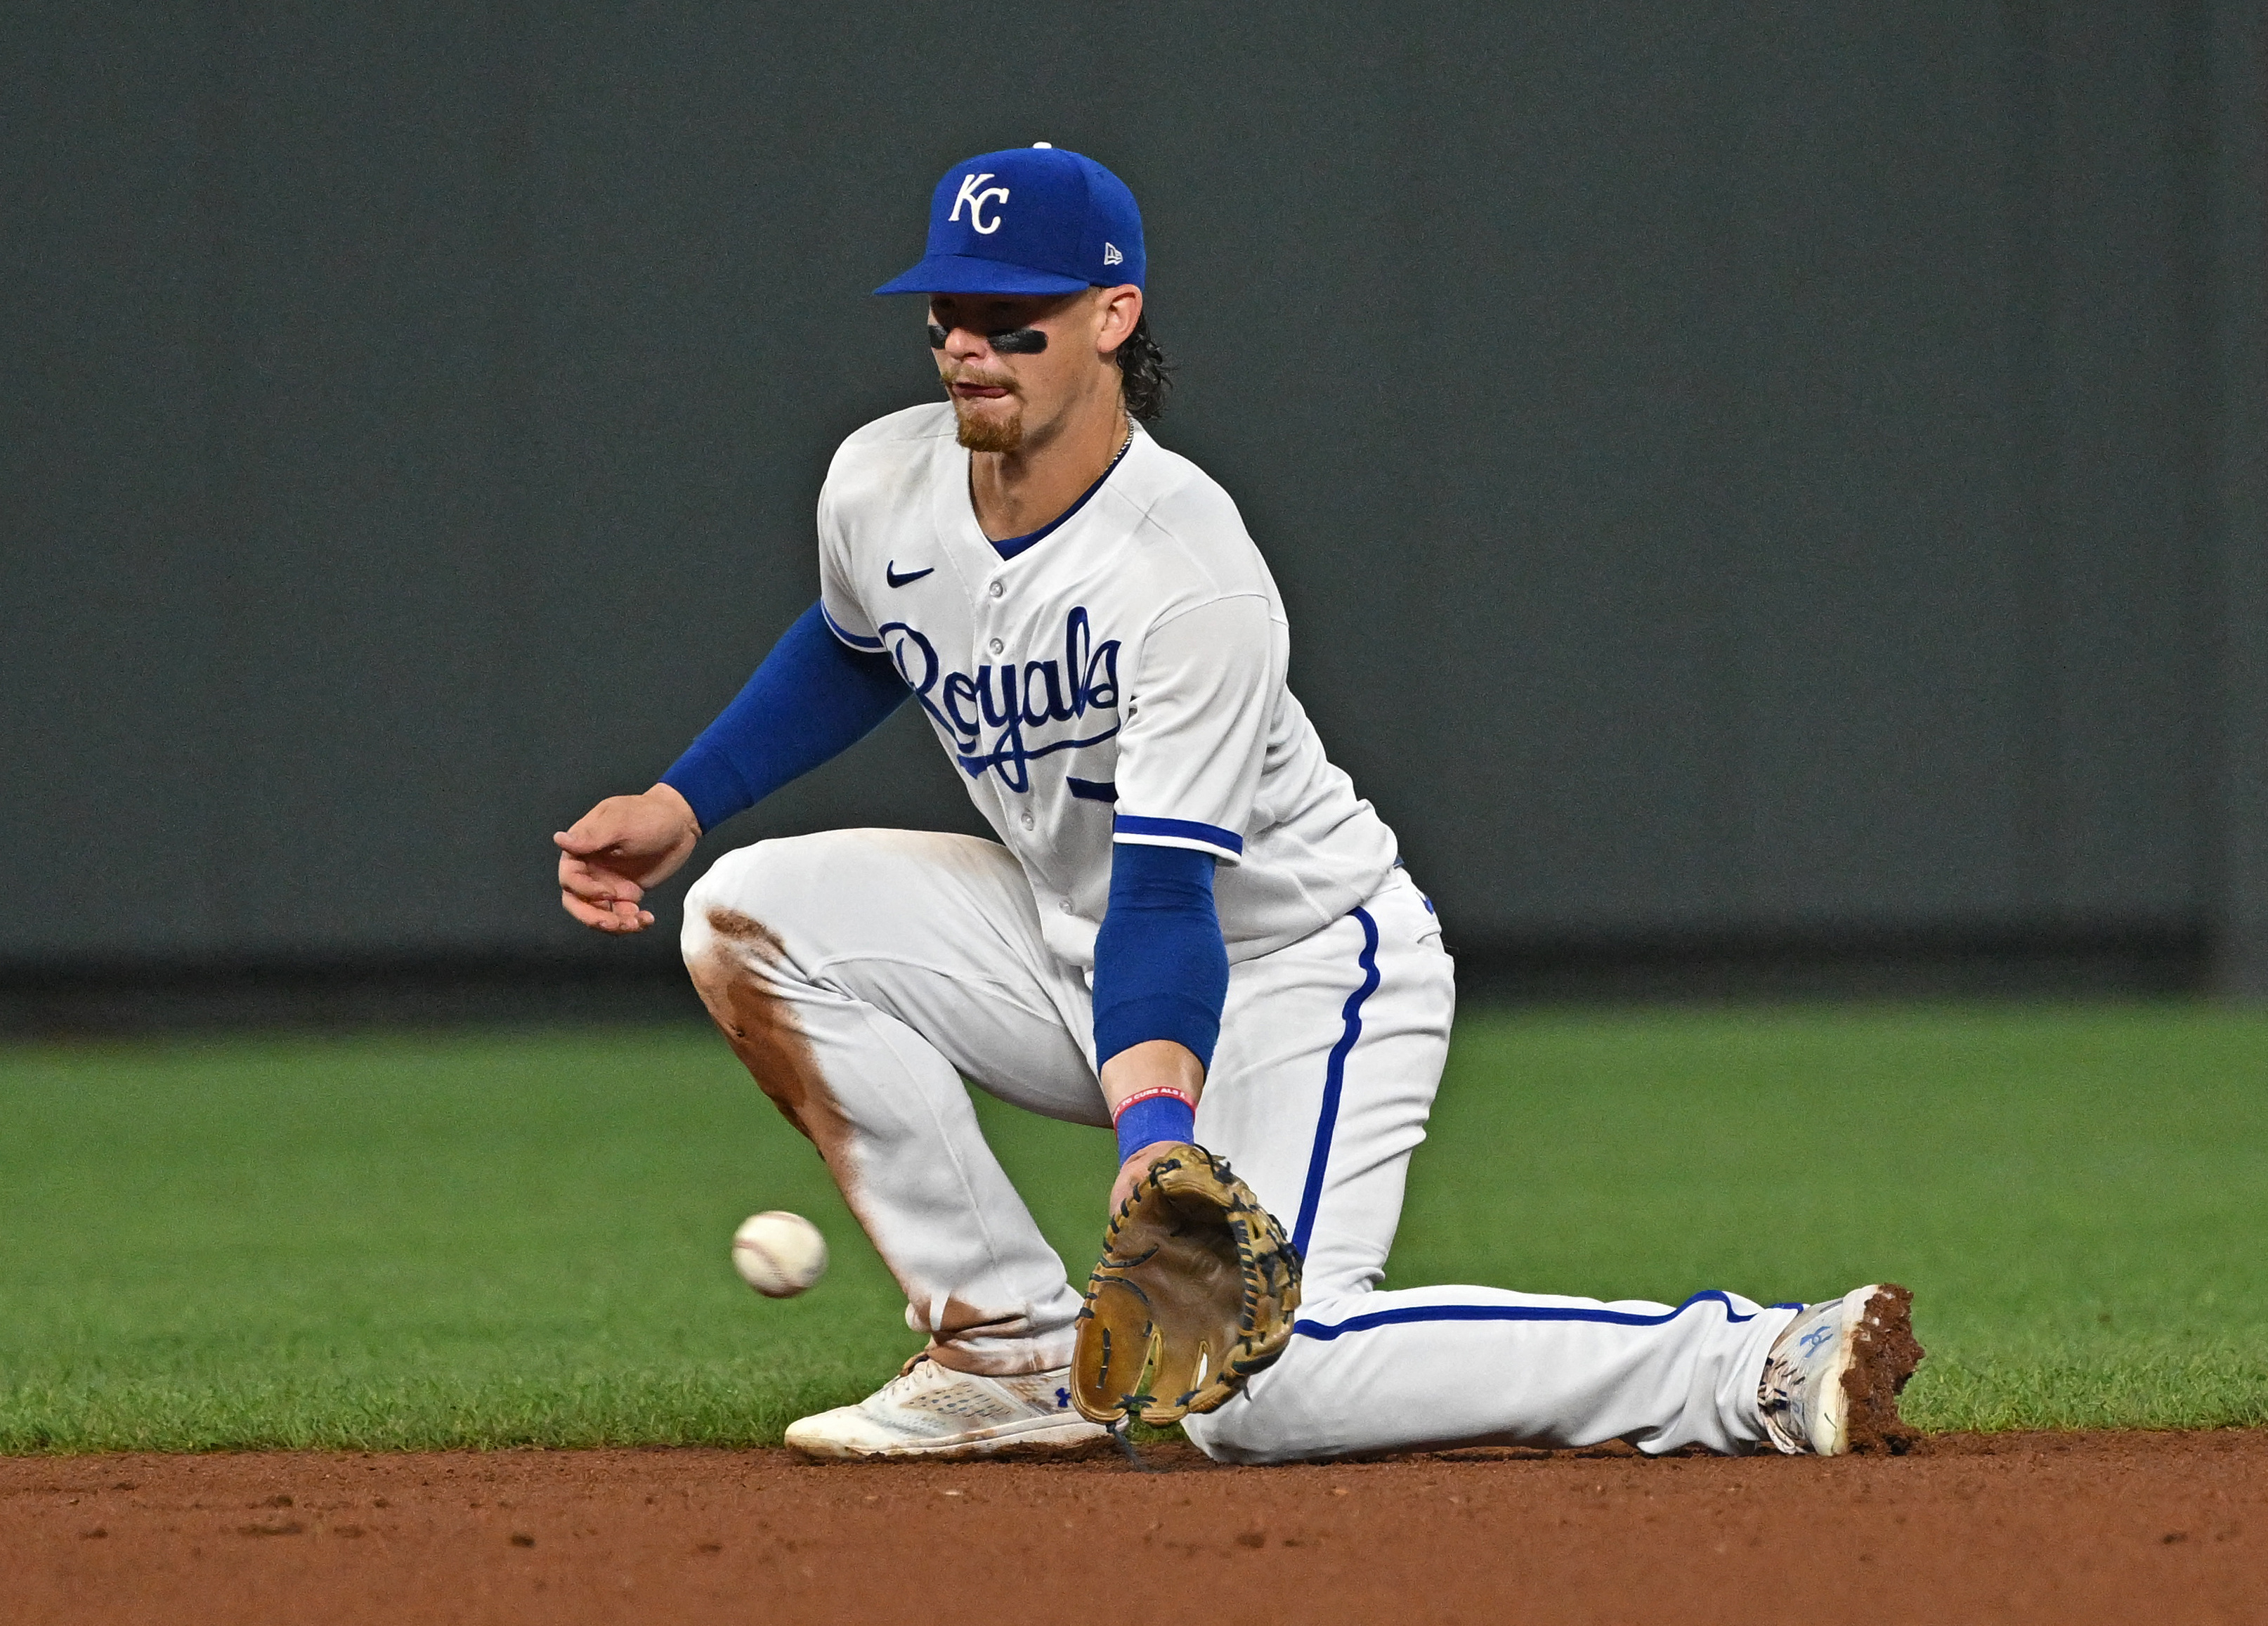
point(1882, 1354)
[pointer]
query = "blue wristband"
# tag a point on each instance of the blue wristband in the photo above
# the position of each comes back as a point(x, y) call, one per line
point(1152, 1119)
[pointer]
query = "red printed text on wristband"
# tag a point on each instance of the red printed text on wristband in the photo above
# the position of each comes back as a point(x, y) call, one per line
point(1164, 1091)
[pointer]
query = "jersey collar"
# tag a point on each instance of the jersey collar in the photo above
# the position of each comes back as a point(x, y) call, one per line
point(1008, 547)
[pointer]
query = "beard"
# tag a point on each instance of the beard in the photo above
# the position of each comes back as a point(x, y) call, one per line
point(984, 432)
point(981, 428)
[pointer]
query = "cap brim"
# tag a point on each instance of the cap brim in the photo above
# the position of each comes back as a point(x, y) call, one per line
point(968, 274)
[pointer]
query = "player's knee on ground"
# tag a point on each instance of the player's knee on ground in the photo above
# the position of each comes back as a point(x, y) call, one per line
point(1257, 1427)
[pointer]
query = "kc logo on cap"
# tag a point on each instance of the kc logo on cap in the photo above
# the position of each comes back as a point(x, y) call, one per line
point(975, 199)
point(1073, 225)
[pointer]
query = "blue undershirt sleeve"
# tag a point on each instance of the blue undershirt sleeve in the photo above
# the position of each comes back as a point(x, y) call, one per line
point(1161, 967)
point(811, 700)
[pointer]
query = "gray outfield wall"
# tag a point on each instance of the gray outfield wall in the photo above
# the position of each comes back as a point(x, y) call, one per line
point(1777, 476)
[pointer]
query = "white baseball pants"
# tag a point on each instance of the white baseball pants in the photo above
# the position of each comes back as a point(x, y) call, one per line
point(858, 972)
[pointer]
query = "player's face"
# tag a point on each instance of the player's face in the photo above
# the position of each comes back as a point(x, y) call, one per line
point(1011, 400)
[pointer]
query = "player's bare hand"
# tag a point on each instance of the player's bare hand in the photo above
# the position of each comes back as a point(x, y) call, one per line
point(612, 854)
point(1131, 1172)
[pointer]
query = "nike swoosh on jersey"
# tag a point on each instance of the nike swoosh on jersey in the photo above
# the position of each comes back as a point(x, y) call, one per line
point(890, 574)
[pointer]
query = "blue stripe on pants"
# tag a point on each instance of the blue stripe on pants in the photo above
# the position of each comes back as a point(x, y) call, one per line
point(1333, 1081)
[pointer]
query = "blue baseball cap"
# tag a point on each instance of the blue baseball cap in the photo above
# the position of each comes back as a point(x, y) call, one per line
point(1037, 220)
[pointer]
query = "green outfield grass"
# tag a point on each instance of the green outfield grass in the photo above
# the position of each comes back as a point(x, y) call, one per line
point(521, 1238)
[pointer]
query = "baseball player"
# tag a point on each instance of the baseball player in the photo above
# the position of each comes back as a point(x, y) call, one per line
point(1189, 926)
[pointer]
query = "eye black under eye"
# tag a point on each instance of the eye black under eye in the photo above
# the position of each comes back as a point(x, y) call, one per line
point(1011, 341)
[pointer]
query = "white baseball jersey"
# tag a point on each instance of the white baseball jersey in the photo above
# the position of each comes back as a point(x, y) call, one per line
point(1121, 679)
point(1124, 675)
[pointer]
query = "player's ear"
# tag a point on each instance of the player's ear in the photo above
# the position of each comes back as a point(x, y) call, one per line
point(1121, 308)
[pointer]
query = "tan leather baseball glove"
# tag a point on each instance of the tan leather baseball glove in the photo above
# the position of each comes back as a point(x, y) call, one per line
point(1194, 1293)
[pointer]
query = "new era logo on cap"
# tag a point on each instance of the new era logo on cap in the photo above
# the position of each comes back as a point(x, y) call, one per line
point(1028, 220)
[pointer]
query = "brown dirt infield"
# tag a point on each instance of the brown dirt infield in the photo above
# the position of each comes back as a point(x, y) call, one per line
point(2048, 1527)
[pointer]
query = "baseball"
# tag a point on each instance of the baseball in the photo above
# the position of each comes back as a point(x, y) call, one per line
point(778, 1254)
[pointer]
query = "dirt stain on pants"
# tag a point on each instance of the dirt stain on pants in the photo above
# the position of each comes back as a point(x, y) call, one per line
point(761, 1028)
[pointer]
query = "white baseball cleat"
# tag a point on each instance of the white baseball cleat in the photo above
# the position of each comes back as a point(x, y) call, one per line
point(1830, 1384)
point(933, 1411)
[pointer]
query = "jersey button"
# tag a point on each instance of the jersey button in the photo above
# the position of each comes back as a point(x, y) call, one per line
point(1028, 822)
point(996, 646)
point(997, 589)
point(1066, 906)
